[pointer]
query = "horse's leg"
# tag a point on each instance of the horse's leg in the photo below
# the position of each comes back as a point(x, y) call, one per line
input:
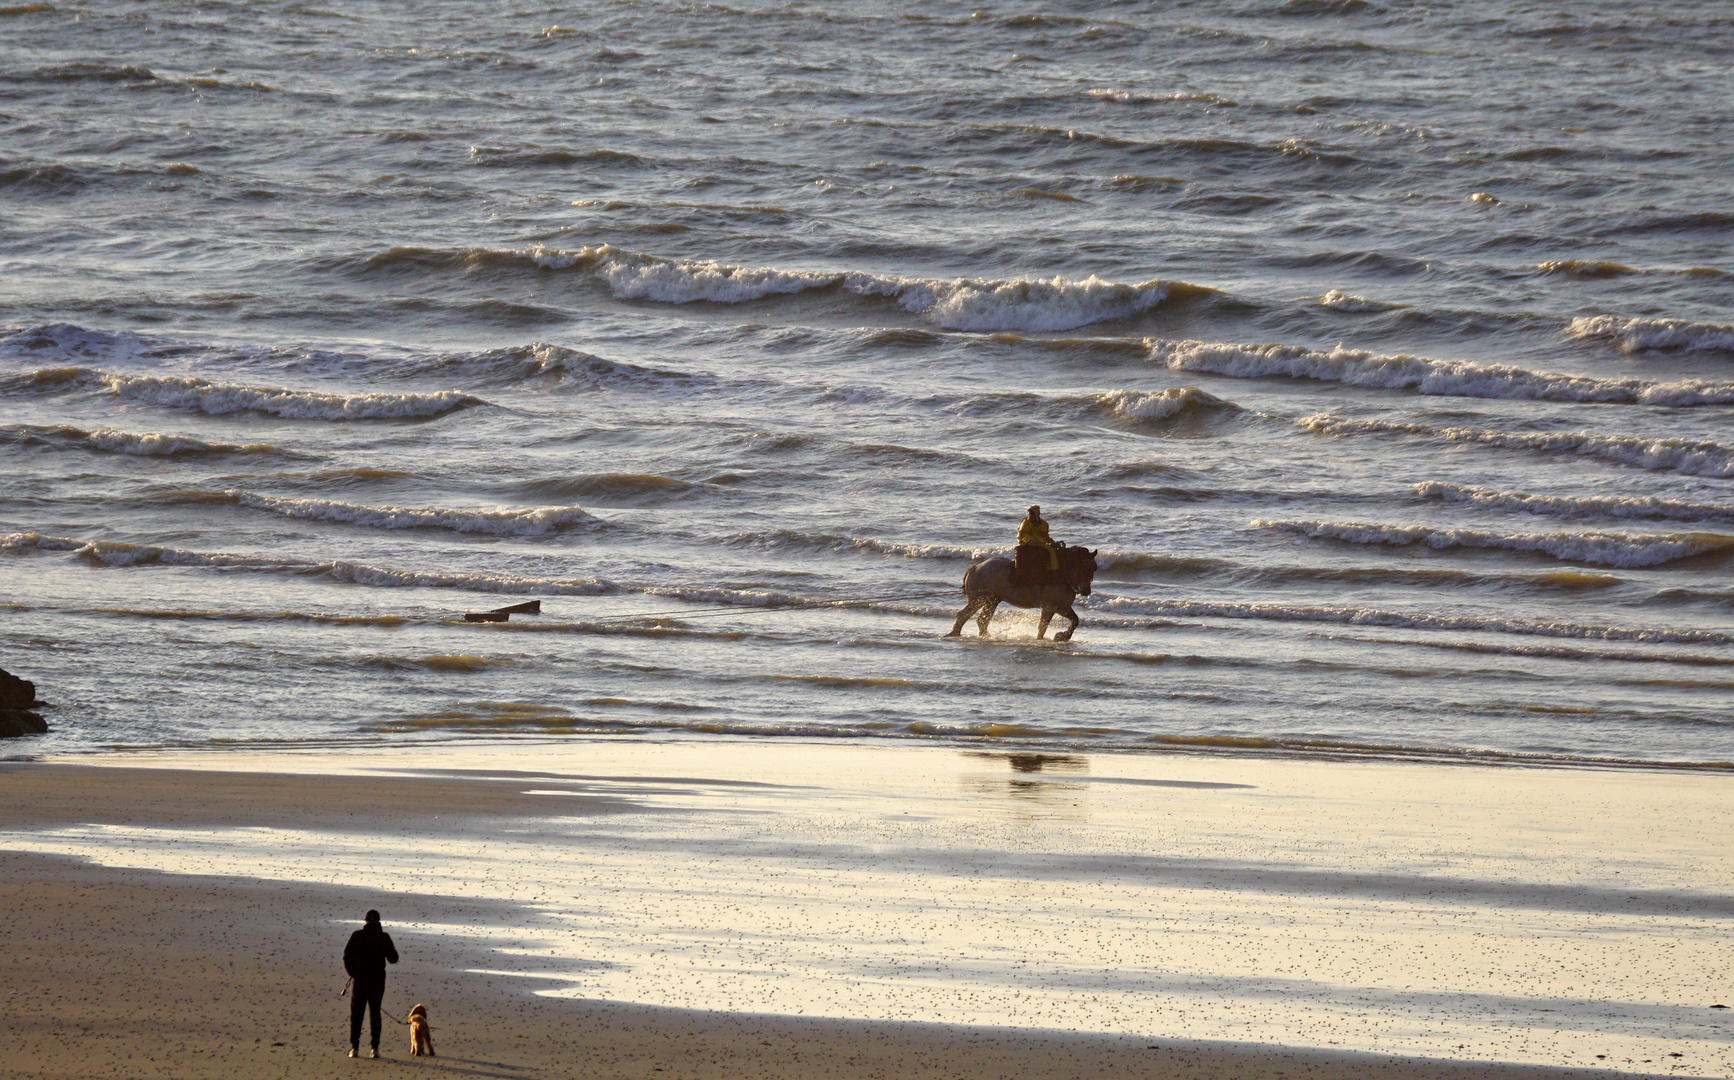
point(986, 616)
point(963, 616)
point(1066, 634)
point(1047, 616)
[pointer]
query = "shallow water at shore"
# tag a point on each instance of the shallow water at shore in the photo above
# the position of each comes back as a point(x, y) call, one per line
point(1469, 914)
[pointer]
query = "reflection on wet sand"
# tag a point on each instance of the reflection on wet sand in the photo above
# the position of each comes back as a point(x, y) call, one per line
point(1046, 799)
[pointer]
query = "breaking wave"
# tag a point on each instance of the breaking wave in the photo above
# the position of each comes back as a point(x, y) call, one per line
point(1338, 300)
point(1401, 620)
point(1139, 406)
point(1694, 457)
point(121, 553)
point(1636, 335)
point(110, 441)
point(1602, 549)
point(1564, 506)
point(977, 304)
point(1457, 378)
point(217, 399)
point(16, 542)
point(957, 304)
point(499, 522)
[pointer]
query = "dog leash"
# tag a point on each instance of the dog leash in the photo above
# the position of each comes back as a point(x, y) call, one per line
point(347, 983)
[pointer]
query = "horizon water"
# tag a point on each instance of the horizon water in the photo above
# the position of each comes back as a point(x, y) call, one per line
point(1383, 350)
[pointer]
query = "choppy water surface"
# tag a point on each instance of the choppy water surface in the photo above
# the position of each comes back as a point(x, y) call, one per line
point(1383, 349)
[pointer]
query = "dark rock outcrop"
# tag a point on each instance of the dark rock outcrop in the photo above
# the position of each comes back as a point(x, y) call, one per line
point(17, 701)
point(15, 722)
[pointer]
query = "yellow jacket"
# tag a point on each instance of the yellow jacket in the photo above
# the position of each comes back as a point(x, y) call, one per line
point(1034, 531)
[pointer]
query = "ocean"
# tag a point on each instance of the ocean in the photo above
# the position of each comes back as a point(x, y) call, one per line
point(1383, 350)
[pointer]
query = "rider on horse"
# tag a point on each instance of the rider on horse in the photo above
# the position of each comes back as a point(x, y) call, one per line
point(1033, 534)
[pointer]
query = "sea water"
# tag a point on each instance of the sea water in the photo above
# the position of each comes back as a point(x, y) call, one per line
point(1382, 350)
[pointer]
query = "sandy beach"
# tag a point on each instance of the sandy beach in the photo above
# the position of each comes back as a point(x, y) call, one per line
point(700, 909)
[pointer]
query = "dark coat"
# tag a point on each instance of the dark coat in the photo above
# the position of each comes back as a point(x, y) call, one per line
point(366, 954)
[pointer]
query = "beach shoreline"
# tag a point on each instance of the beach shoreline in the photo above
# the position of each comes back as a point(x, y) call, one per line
point(165, 918)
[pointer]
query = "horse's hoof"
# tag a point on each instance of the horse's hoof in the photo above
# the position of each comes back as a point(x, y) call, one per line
point(955, 633)
point(1063, 636)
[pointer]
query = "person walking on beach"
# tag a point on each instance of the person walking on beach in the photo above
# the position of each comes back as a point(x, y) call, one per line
point(364, 958)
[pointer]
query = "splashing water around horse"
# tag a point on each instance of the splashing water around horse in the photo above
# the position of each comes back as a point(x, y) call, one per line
point(988, 583)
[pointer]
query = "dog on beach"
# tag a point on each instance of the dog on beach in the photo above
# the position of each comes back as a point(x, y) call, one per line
point(420, 1033)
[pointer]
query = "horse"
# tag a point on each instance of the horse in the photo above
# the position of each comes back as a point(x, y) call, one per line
point(988, 583)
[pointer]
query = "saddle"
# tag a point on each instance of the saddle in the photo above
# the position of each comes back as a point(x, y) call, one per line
point(1030, 565)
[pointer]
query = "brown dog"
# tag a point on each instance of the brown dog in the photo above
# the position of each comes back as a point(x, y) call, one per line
point(420, 1033)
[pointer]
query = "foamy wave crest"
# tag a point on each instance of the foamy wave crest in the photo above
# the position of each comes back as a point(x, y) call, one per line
point(1636, 335)
point(120, 553)
point(218, 399)
point(1689, 456)
point(1452, 377)
point(1025, 304)
point(1602, 549)
point(956, 304)
point(1401, 620)
point(1141, 406)
point(384, 577)
point(16, 542)
point(635, 276)
point(1568, 507)
point(1337, 300)
point(500, 522)
point(139, 444)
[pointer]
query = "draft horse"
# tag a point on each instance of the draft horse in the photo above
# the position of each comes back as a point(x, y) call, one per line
point(990, 583)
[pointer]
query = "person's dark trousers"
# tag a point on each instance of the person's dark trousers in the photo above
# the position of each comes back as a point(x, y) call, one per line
point(366, 996)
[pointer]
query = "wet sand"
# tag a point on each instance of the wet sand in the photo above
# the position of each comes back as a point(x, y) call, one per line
point(126, 970)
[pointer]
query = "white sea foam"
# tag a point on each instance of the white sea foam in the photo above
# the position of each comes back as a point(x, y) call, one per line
point(956, 304)
point(138, 444)
point(121, 553)
point(634, 276)
point(218, 399)
point(1602, 549)
point(500, 522)
point(1635, 335)
point(155, 444)
point(1024, 304)
point(1400, 619)
point(21, 541)
point(1569, 507)
point(1689, 456)
point(1453, 377)
point(1140, 405)
point(1337, 300)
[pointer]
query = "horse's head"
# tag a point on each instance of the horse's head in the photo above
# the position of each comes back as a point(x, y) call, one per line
point(1078, 565)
